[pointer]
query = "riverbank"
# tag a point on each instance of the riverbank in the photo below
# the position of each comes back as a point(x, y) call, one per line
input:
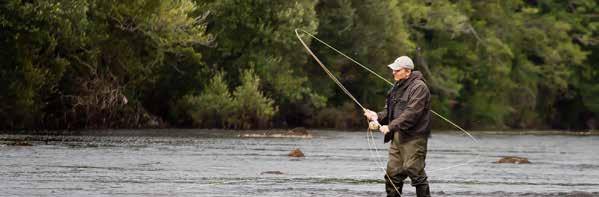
point(266, 132)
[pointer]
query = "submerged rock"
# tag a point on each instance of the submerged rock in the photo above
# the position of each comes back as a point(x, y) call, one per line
point(298, 131)
point(513, 159)
point(19, 143)
point(296, 153)
point(272, 172)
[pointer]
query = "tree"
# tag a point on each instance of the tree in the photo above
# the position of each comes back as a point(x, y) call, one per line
point(258, 35)
point(63, 53)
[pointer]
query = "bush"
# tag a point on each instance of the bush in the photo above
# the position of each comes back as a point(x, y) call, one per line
point(212, 107)
point(251, 108)
point(215, 107)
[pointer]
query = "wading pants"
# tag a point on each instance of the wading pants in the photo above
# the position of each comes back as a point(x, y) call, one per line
point(406, 159)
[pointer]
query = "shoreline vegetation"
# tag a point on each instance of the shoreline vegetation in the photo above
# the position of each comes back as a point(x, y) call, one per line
point(264, 133)
point(501, 65)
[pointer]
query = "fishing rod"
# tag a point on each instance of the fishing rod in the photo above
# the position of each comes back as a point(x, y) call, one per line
point(330, 74)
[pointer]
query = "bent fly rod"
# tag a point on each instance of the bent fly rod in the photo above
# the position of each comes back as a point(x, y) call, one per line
point(330, 74)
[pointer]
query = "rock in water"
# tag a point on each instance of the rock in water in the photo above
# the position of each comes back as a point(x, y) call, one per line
point(272, 172)
point(298, 131)
point(296, 153)
point(513, 159)
point(19, 143)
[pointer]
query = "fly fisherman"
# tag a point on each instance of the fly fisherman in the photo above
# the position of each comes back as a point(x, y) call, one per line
point(406, 122)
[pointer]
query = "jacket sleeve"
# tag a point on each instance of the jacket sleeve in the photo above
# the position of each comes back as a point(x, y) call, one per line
point(414, 109)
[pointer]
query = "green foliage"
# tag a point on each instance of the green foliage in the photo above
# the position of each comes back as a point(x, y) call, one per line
point(213, 107)
point(259, 35)
point(502, 55)
point(375, 38)
point(489, 64)
point(216, 107)
point(344, 117)
point(251, 108)
point(54, 48)
point(32, 65)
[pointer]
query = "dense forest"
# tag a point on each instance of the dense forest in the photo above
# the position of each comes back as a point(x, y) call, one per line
point(236, 64)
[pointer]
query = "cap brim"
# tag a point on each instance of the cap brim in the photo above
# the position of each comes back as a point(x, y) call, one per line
point(394, 66)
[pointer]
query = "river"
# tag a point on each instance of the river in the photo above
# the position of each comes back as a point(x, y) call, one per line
point(336, 163)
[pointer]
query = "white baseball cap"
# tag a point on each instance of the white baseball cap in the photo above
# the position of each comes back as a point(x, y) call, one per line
point(402, 62)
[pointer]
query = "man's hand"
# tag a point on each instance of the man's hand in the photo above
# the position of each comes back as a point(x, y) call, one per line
point(384, 129)
point(370, 115)
point(373, 125)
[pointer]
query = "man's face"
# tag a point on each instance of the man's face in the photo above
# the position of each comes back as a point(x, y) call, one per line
point(400, 74)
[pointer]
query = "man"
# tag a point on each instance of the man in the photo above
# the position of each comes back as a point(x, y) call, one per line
point(406, 123)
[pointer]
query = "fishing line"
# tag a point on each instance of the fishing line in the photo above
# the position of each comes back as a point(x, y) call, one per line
point(329, 73)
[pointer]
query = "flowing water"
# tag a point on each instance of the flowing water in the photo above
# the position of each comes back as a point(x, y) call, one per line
point(221, 163)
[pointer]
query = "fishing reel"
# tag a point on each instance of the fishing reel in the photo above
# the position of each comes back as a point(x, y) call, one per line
point(374, 125)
